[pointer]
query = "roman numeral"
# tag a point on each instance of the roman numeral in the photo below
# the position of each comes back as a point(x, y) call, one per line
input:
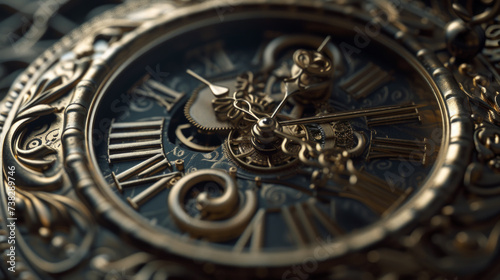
point(159, 92)
point(304, 221)
point(405, 114)
point(137, 141)
point(365, 81)
point(213, 58)
point(166, 181)
point(130, 141)
point(253, 233)
point(392, 148)
point(374, 192)
point(145, 168)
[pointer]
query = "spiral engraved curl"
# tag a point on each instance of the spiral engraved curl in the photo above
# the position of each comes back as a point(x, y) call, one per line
point(223, 217)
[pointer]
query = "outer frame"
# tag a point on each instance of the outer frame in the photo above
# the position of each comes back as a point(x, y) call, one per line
point(131, 26)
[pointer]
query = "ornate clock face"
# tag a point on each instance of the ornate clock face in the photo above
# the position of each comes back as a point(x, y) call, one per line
point(257, 139)
point(259, 136)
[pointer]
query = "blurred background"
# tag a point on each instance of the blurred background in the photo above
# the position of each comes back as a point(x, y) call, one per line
point(28, 27)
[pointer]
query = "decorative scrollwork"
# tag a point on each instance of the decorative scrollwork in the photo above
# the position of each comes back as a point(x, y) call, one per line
point(61, 229)
point(30, 163)
point(487, 142)
point(60, 80)
point(223, 217)
point(66, 230)
point(139, 266)
point(465, 237)
point(452, 245)
point(483, 177)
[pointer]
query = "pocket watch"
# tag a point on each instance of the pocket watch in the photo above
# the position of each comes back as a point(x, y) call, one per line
point(267, 139)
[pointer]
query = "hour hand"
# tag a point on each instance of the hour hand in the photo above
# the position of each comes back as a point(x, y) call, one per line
point(217, 91)
point(346, 115)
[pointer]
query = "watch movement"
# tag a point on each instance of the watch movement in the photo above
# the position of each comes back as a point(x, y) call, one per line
point(258, 140)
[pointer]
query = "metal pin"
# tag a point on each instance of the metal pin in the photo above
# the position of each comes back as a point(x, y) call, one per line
point(232, 171)
point(179, 164)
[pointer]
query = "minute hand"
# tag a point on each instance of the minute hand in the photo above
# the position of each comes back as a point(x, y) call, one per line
point(352, 114)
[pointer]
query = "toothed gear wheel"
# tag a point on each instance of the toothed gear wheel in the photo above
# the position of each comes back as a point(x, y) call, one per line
point(241, 150)
point(200, 112)
point(208, 113)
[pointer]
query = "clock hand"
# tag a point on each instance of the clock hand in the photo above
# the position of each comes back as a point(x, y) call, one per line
point(351, 114)
point(249, 111)
point(292, 138)
point(323, 44)
point(291, 88)
point(218, 91)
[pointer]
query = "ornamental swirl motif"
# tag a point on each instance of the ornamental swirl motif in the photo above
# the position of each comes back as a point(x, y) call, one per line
point(472, 251)
point(223, 217)
point(30, 164)
point(63, 223)
point(65, 228)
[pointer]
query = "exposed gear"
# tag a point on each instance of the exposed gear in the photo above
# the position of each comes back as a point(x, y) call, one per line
point(344, 134)
point(243, 151)
point(222, 114)
point(199, 112)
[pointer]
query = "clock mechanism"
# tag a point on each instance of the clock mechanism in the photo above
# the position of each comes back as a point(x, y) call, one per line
point(264, 139)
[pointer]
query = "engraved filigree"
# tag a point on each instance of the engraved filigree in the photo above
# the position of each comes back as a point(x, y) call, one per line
point(58, 81)
point(109, 32)
point(483, 177)
point(483, 95)
point(464, 238)
point(51, 87)
point(461, 241)
point(487, 142)
point(66, 230)
point(61, 229)
point(250, 95)
point(31, 163)
point(281, 154)
point(53, 216)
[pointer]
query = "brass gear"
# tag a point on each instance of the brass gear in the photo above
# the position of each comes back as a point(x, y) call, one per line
point(199, 113)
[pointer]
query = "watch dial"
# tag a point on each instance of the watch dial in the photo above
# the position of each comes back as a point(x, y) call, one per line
point(266, 135)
